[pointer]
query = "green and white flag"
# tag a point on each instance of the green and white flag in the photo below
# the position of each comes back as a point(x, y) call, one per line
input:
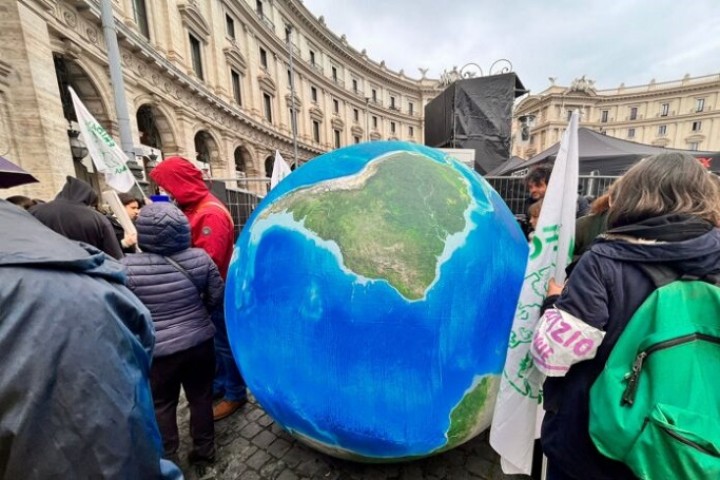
point(107, 155)
point(518, 413)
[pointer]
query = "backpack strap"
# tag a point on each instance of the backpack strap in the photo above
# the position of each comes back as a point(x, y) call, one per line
point(180, 269)
point(659, 274)
point(662, 275)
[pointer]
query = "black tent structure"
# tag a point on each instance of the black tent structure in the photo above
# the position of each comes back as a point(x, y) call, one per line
point(475, 113)
point(604, 155)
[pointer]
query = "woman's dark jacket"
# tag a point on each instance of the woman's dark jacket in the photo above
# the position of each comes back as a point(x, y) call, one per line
point(604, 290)
point(180, 316)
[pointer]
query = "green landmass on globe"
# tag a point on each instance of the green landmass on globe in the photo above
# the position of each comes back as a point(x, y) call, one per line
point(473, 412)
point(390, 221)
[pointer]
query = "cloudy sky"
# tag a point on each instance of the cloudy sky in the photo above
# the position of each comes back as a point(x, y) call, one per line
point(610, 41)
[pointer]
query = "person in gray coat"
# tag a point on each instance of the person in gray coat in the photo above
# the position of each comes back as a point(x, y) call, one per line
point(181, 286)
point(75, 349)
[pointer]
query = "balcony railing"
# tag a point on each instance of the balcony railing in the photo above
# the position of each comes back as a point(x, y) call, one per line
point(338, 81)
point(265, 20)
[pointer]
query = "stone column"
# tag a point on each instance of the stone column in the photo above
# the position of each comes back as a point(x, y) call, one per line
point(30, 89)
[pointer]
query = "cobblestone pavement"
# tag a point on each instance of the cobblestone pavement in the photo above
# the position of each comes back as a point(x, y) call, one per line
point(250, 446)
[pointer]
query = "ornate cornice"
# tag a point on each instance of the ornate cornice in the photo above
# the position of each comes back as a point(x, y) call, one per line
point(357, 131)
point(337, 123)
point(357, 60)
point(266, 83)
point(235, 58)
point(193, 19)
point(288, 101)
point(316, 113)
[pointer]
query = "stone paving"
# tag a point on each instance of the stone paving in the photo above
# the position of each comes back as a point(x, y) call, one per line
point(250, 446)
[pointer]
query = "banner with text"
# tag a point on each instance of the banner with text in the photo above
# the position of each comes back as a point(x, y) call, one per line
point(517, 411)
point(107, 155)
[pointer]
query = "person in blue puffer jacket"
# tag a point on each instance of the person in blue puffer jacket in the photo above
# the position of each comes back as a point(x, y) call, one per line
point(181, 286)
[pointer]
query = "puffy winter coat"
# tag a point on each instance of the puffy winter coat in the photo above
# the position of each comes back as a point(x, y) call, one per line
point(211, 224)
point(72, 215)
point(181, 317)
point(604, 290)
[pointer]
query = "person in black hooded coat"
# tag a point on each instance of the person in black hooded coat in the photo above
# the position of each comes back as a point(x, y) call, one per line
point(73, 215)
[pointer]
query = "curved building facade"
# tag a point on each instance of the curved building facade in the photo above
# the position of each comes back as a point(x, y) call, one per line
point(681, 114)
point(209, 80)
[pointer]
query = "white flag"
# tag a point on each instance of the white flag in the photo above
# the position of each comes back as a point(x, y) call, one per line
point(280, 170)
point(517, 414)
point(107, 155)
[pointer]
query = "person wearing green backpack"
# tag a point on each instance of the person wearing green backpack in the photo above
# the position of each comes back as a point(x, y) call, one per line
point(663, 222)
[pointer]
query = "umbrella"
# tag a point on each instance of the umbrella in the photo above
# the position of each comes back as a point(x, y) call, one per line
point(11, 175)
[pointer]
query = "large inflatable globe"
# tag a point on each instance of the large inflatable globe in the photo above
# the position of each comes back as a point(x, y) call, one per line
point(370, 299)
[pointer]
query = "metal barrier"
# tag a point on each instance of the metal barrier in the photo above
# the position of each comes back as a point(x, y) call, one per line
point(241, 196)
point(244, 194)
point(514, 192)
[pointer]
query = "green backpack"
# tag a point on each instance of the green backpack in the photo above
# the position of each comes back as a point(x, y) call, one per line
point(656, 405)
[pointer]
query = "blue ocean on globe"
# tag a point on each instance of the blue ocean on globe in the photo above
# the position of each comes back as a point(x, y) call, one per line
point(370, 298)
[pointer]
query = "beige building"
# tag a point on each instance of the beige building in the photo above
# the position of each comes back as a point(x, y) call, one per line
point(205, 79)
point(679, 114)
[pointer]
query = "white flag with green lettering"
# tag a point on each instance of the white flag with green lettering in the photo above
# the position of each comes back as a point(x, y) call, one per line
point(517, 414)
point(107, 155)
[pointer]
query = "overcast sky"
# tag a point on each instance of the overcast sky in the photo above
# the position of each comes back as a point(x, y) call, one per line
point(610, 41)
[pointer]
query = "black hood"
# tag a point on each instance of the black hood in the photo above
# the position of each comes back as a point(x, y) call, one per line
point(77, 191)
point(49, 248)
point(687, 244)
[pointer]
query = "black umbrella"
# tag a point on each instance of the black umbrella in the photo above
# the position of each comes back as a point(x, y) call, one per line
point(11, 175)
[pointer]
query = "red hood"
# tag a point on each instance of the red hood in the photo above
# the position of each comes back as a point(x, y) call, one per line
point(180, 178)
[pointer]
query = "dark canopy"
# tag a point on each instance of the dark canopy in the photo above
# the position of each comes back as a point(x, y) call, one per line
point(608, 155)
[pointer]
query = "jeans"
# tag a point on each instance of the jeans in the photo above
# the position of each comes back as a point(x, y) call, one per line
point(193, 369)
point(228, 380)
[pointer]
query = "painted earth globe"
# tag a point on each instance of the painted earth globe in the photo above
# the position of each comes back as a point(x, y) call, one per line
point(370, 298)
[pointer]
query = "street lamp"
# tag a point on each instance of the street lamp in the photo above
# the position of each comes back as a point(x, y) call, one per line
point(526, 123)
point(78, 149)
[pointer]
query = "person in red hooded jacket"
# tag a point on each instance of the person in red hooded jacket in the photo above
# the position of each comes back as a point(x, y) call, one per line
point(211, 228)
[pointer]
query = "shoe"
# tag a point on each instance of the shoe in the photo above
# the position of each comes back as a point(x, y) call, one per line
point(194, 457)
point(226, 408)
point(205, 471)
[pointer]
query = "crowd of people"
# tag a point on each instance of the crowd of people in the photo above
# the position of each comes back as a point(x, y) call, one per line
point(146, 311)
point(104, 327)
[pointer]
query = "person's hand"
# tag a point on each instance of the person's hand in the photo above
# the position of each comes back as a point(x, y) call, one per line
point(130, 240)
point(554, 288)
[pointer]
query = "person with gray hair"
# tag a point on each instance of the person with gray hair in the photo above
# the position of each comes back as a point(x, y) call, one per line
point(664, 213)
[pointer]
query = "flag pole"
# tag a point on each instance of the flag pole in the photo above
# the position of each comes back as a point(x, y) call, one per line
point(118, 84)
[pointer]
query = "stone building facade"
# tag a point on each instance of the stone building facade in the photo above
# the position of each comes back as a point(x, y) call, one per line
point(205, 79)
point(677, 114)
